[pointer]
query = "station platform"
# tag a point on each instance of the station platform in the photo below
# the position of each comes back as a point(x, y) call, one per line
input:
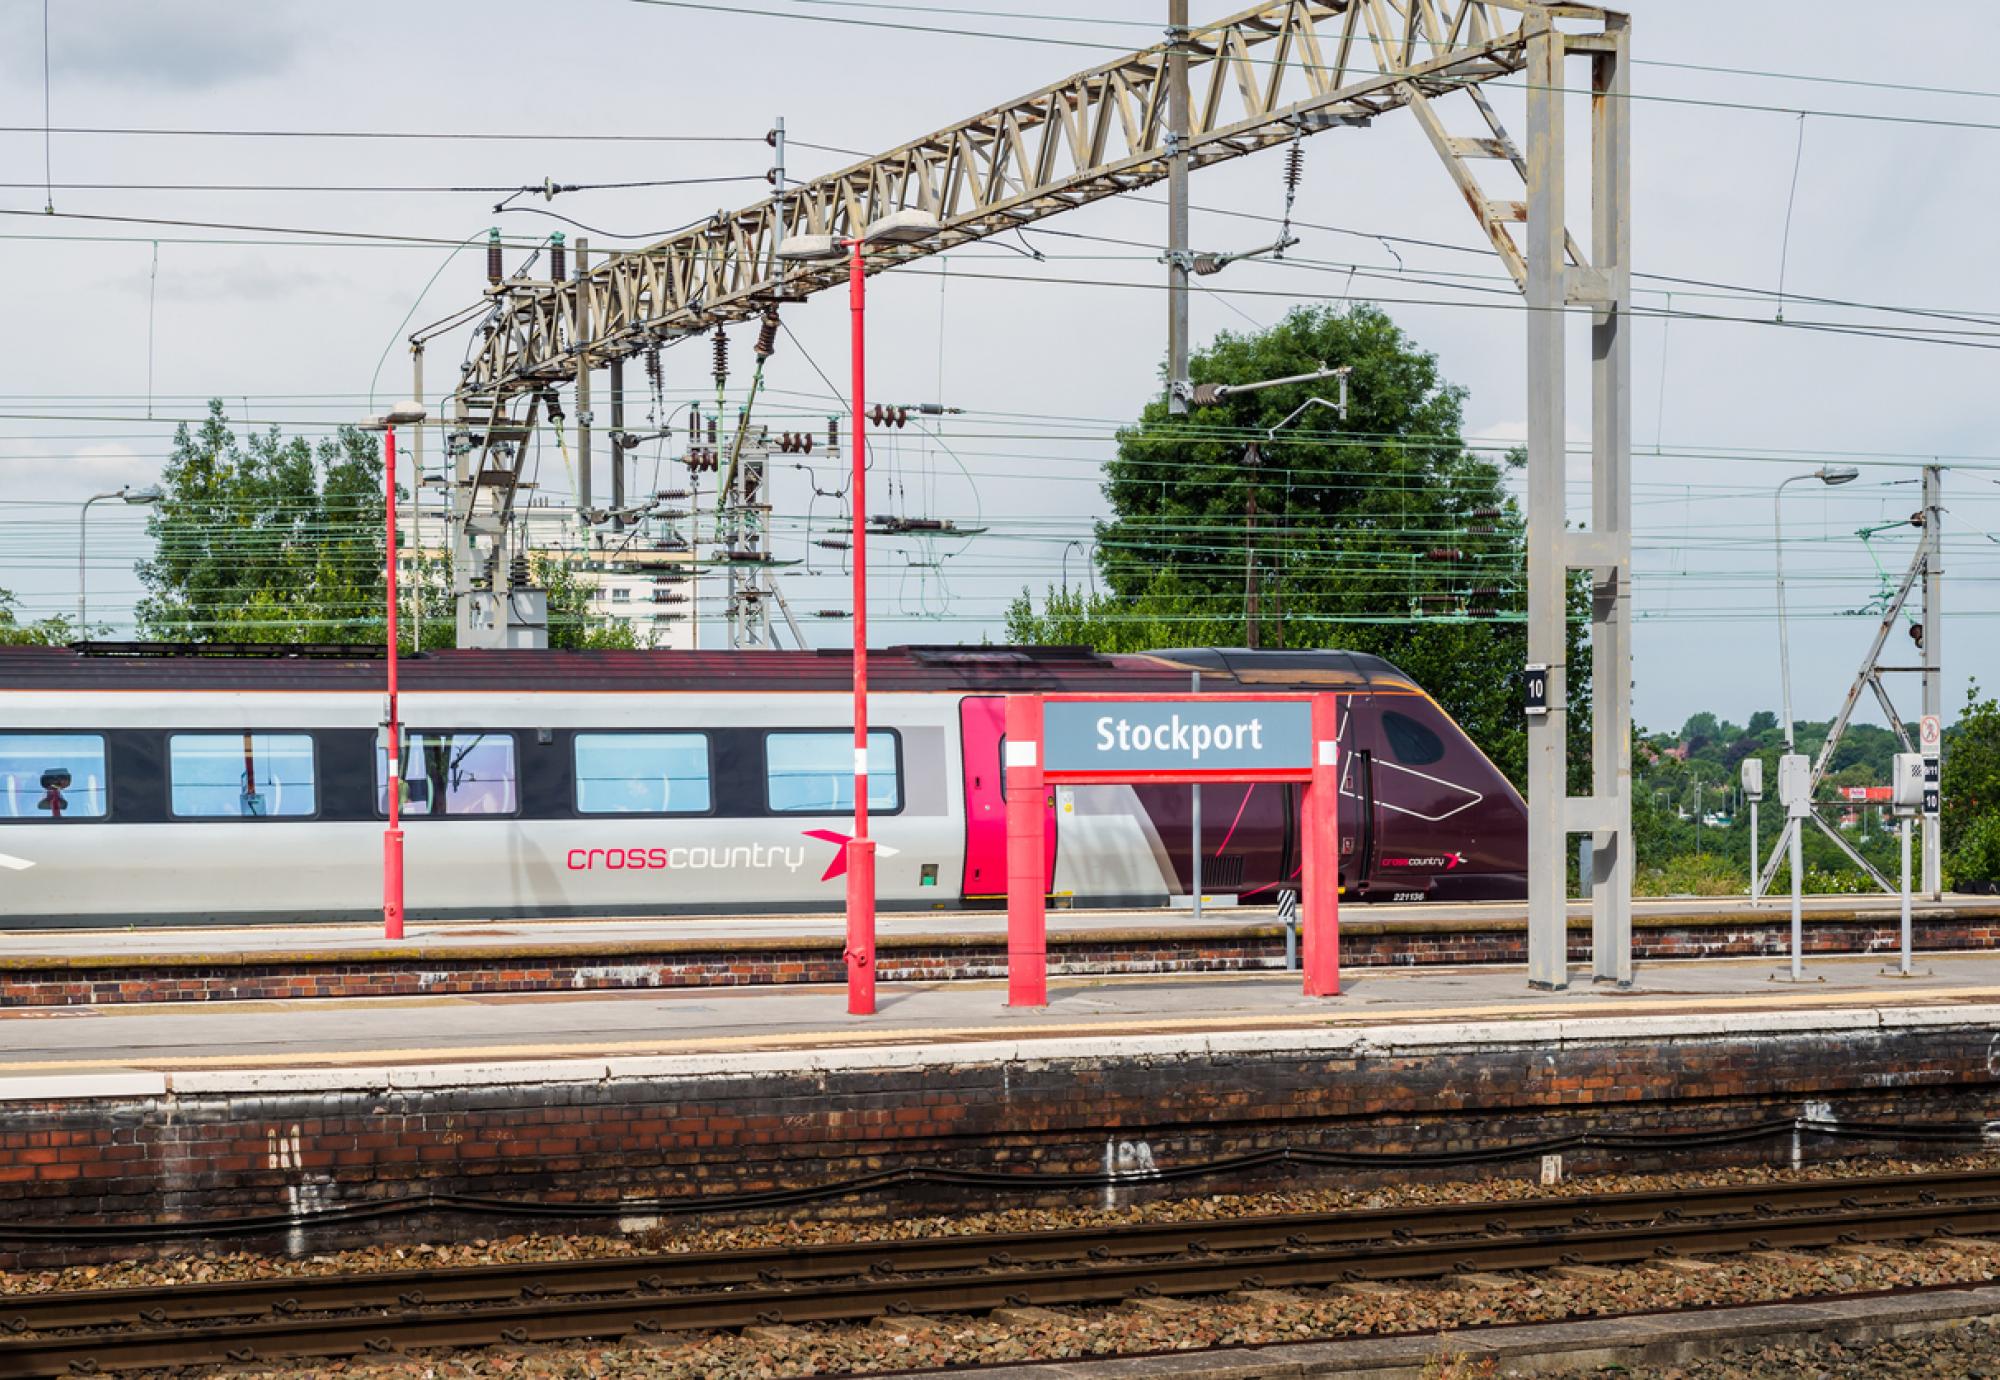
point(84, 967)
point(631, 1109)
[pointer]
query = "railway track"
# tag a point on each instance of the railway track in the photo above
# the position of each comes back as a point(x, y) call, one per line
point(340, 1315)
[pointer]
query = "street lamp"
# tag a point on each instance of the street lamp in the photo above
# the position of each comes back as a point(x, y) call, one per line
point(403, 413)
point(1794, 778)
point(1825, 474)
point(909, 226)
point(149, 494)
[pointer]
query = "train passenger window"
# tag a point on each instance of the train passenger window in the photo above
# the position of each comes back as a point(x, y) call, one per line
point(466, 772)
point(642, 773)
point(53, 776)
point(241, 775)
point(1413, 744)
point(813, 773)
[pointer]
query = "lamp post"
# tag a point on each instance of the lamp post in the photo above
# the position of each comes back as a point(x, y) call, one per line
point(392, 787)
point(149, 494)
point(1794, 782)
point(1825, 474)
point(898, 227)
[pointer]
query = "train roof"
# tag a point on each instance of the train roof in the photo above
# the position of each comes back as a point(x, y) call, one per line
point(138, 666)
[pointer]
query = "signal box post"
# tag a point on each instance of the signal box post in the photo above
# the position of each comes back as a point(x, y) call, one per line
point(1090, 740)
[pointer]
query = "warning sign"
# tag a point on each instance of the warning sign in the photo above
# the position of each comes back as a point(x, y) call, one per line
point(1930, 734)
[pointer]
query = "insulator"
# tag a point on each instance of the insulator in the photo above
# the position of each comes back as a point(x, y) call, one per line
point(767, 335)
point(558, 266)
point(669, 495)
point(554, 405)
point(806, 442)
point(1917, 518)
point(1295, 166)
point(694, 425)
point(1477, 612)
point(830, 613)
point(713, 426)
point(1445, 553)
point(1917, 633)
point(833, 543)
point(495, 270)
point(833, 433)
point(720, 345)
point(1479, 513)
point(1207, 265)
point(1207, 394)
point(518, 575)
point(1486, 594)
point(1482, 529)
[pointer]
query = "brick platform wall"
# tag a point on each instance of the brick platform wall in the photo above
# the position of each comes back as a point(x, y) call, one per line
point(462, 969)
point(765, 1123)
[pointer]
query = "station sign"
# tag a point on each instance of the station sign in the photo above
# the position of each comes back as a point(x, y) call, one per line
point(1142, 737)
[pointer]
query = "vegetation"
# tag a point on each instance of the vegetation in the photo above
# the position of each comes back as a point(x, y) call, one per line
point(1380, 533)
point(46, 632)
point(275, 540)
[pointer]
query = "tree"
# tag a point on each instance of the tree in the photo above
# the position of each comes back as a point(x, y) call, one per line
point(276, 541)
point(46, 632)
point(1970, 785)
point(272, 541)
point(1380, 533)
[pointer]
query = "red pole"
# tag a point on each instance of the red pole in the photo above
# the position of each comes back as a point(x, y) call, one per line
point(1027, 859)
point(392, 838)
point(860, 953)
point(1320, 861)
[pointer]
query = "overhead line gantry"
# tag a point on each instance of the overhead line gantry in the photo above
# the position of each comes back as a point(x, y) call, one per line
point(1258, 78)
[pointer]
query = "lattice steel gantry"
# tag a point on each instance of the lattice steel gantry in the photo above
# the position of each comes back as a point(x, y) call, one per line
point(1255, 79)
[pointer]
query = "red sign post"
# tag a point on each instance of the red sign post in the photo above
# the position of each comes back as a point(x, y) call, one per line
point(1168, 739)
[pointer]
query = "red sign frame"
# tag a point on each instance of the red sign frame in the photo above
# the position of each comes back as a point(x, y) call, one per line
point(1028, 780)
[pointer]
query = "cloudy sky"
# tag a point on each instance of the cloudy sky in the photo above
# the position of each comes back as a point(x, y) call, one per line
point(118, 328)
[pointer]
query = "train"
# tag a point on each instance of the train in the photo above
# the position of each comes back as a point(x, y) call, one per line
point(151, 785)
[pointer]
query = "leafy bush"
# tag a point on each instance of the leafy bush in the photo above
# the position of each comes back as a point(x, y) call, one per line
point(1694, 874)
point(1975, 861)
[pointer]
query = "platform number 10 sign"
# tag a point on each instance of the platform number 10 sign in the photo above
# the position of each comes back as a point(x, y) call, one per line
point(1930, 738)
point(1535, 688)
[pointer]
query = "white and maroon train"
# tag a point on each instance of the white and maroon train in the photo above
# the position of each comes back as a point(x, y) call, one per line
point(149, 786)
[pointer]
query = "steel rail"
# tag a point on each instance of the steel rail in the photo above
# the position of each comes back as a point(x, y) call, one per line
point(768, 1265)
point(1002, 1284)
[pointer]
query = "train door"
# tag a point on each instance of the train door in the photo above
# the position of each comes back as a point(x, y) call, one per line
point(1359, 829)
point(982, 721)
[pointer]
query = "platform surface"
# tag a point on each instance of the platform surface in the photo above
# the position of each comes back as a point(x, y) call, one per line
point(47, 1044)
point(611, 934)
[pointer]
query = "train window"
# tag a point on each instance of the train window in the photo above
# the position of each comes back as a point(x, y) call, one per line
point(53, 776)
point(642, 773)
point(813, 773)
point(241, 775)
point(1413, 744)
point(468, 772)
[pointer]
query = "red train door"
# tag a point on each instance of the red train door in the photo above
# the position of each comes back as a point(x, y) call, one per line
point(982, 722)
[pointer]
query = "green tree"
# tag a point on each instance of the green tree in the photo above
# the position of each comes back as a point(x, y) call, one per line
point(1970, 784)
point(1380, 533)
point(269, 541)
point(45, 632)
point(274, 540)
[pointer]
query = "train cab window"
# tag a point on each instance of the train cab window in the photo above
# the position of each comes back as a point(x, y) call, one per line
point(1413, 744)
point(53, 776)
point(455, 773)
point(642, 774)
point(813, 773)
point(241, 775)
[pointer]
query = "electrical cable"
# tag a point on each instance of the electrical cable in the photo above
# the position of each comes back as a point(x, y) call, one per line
point(1002, 1181)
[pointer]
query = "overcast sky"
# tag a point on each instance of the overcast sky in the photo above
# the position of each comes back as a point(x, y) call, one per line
point(289, 329)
